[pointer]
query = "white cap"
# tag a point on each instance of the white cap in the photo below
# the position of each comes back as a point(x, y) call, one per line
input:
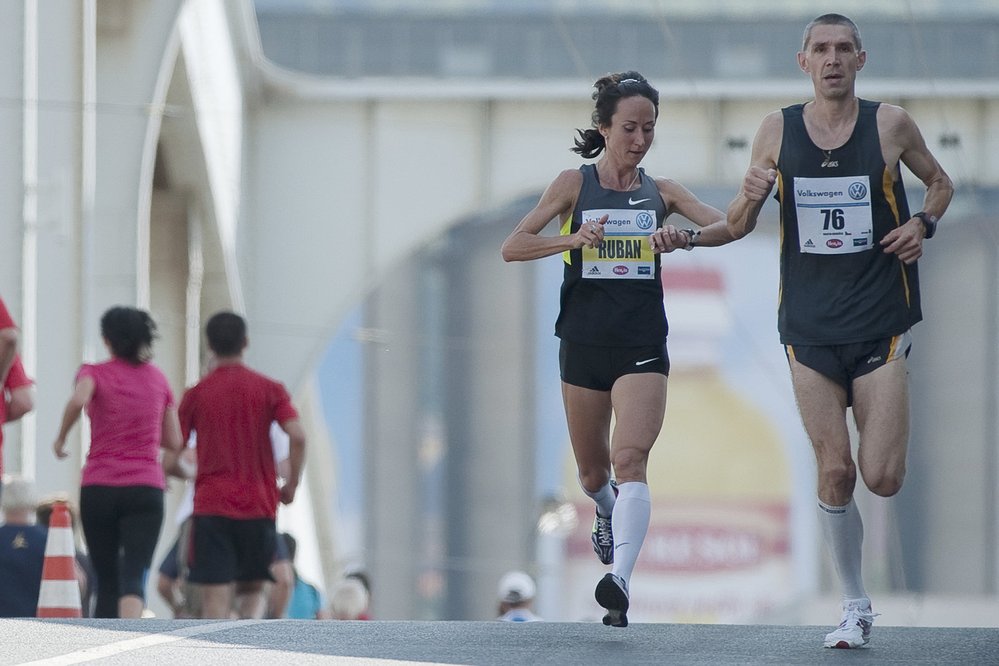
point(18, 494)
point(349, 599)
point(515, 587)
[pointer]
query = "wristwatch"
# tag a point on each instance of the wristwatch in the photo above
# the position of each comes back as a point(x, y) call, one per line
point(929, 223)
point(692, 235)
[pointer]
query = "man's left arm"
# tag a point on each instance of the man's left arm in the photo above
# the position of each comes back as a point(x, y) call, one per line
point(296, 458)
point(907, 141)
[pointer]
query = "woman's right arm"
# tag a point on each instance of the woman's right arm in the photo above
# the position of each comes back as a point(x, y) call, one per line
point(82, 394)
point(525, 243)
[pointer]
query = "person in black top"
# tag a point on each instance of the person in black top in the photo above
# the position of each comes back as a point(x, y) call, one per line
point(849, 286)
point(612, 324)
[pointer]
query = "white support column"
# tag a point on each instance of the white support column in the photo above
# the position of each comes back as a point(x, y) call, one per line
point(11, 172)
point(29, 221)
point(12, 129)
point(55, 175)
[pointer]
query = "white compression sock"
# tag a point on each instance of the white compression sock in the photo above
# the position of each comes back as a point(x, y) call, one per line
point(630, 523)
point(604, 499)
point(843, 530)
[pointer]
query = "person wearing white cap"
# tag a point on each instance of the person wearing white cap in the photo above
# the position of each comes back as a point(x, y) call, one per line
point(22, 550)
point(516, 592)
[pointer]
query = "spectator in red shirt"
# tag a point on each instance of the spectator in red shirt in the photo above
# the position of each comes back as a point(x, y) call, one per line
point(234, 534)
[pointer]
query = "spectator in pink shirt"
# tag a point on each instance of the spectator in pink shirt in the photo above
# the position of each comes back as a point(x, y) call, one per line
point(132, 415)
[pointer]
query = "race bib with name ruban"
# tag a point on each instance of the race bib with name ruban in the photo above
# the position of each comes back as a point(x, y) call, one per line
point(834, 214)
point(625, 252)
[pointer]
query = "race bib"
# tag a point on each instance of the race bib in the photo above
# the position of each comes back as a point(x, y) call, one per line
point(625, 251)
point(834, 214)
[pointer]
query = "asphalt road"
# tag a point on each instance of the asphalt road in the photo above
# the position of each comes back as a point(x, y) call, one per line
point(243, 643)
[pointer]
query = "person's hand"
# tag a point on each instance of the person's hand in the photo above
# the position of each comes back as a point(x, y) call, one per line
point(668, 238)
point(905, 241)
point(590, 234)
point(288, 492)
point(59, 446)
point(758, 183)
point(187, 463)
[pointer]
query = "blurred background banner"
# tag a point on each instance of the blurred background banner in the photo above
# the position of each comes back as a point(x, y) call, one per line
point(344, 172)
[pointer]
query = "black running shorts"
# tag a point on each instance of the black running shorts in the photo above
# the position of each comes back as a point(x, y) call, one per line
point(596, 367)
point(223, 550)
point(845, 363)
point(170, 566)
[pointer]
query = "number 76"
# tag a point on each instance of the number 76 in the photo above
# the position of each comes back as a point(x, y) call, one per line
point(832, 217)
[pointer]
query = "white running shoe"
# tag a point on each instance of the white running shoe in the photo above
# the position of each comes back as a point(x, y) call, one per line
point(855, 629)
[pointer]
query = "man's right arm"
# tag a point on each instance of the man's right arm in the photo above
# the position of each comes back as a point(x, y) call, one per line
point(759, 179)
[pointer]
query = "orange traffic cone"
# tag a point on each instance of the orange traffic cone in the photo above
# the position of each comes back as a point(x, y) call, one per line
point(59, 595)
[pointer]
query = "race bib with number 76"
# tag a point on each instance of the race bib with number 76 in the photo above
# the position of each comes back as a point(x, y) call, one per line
point(834, 214)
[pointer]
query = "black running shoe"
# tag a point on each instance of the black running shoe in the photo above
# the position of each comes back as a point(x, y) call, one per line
point(612, 594)
point(603, 539)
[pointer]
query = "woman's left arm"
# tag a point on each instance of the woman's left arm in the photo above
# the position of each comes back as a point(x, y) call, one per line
point(712, 226)
point(82, 394)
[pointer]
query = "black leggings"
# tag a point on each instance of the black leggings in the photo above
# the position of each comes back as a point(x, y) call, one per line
point(121, 525)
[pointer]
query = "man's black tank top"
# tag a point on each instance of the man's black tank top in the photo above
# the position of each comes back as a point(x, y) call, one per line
point(613, 295)
point(837, 285)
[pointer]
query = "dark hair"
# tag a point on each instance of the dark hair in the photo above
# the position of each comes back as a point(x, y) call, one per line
point(361, 576)
point(226, 333)
point(610, 90)
point(830, 19)
point(129, 332)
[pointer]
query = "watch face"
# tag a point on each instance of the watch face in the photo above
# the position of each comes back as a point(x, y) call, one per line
point(929, 224)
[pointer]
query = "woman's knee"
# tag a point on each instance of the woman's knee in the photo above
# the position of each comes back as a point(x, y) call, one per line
point(630, 464)
point(592, 479)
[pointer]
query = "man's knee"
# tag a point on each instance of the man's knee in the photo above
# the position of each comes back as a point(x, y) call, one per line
point(838, 471)
point(884, 482)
